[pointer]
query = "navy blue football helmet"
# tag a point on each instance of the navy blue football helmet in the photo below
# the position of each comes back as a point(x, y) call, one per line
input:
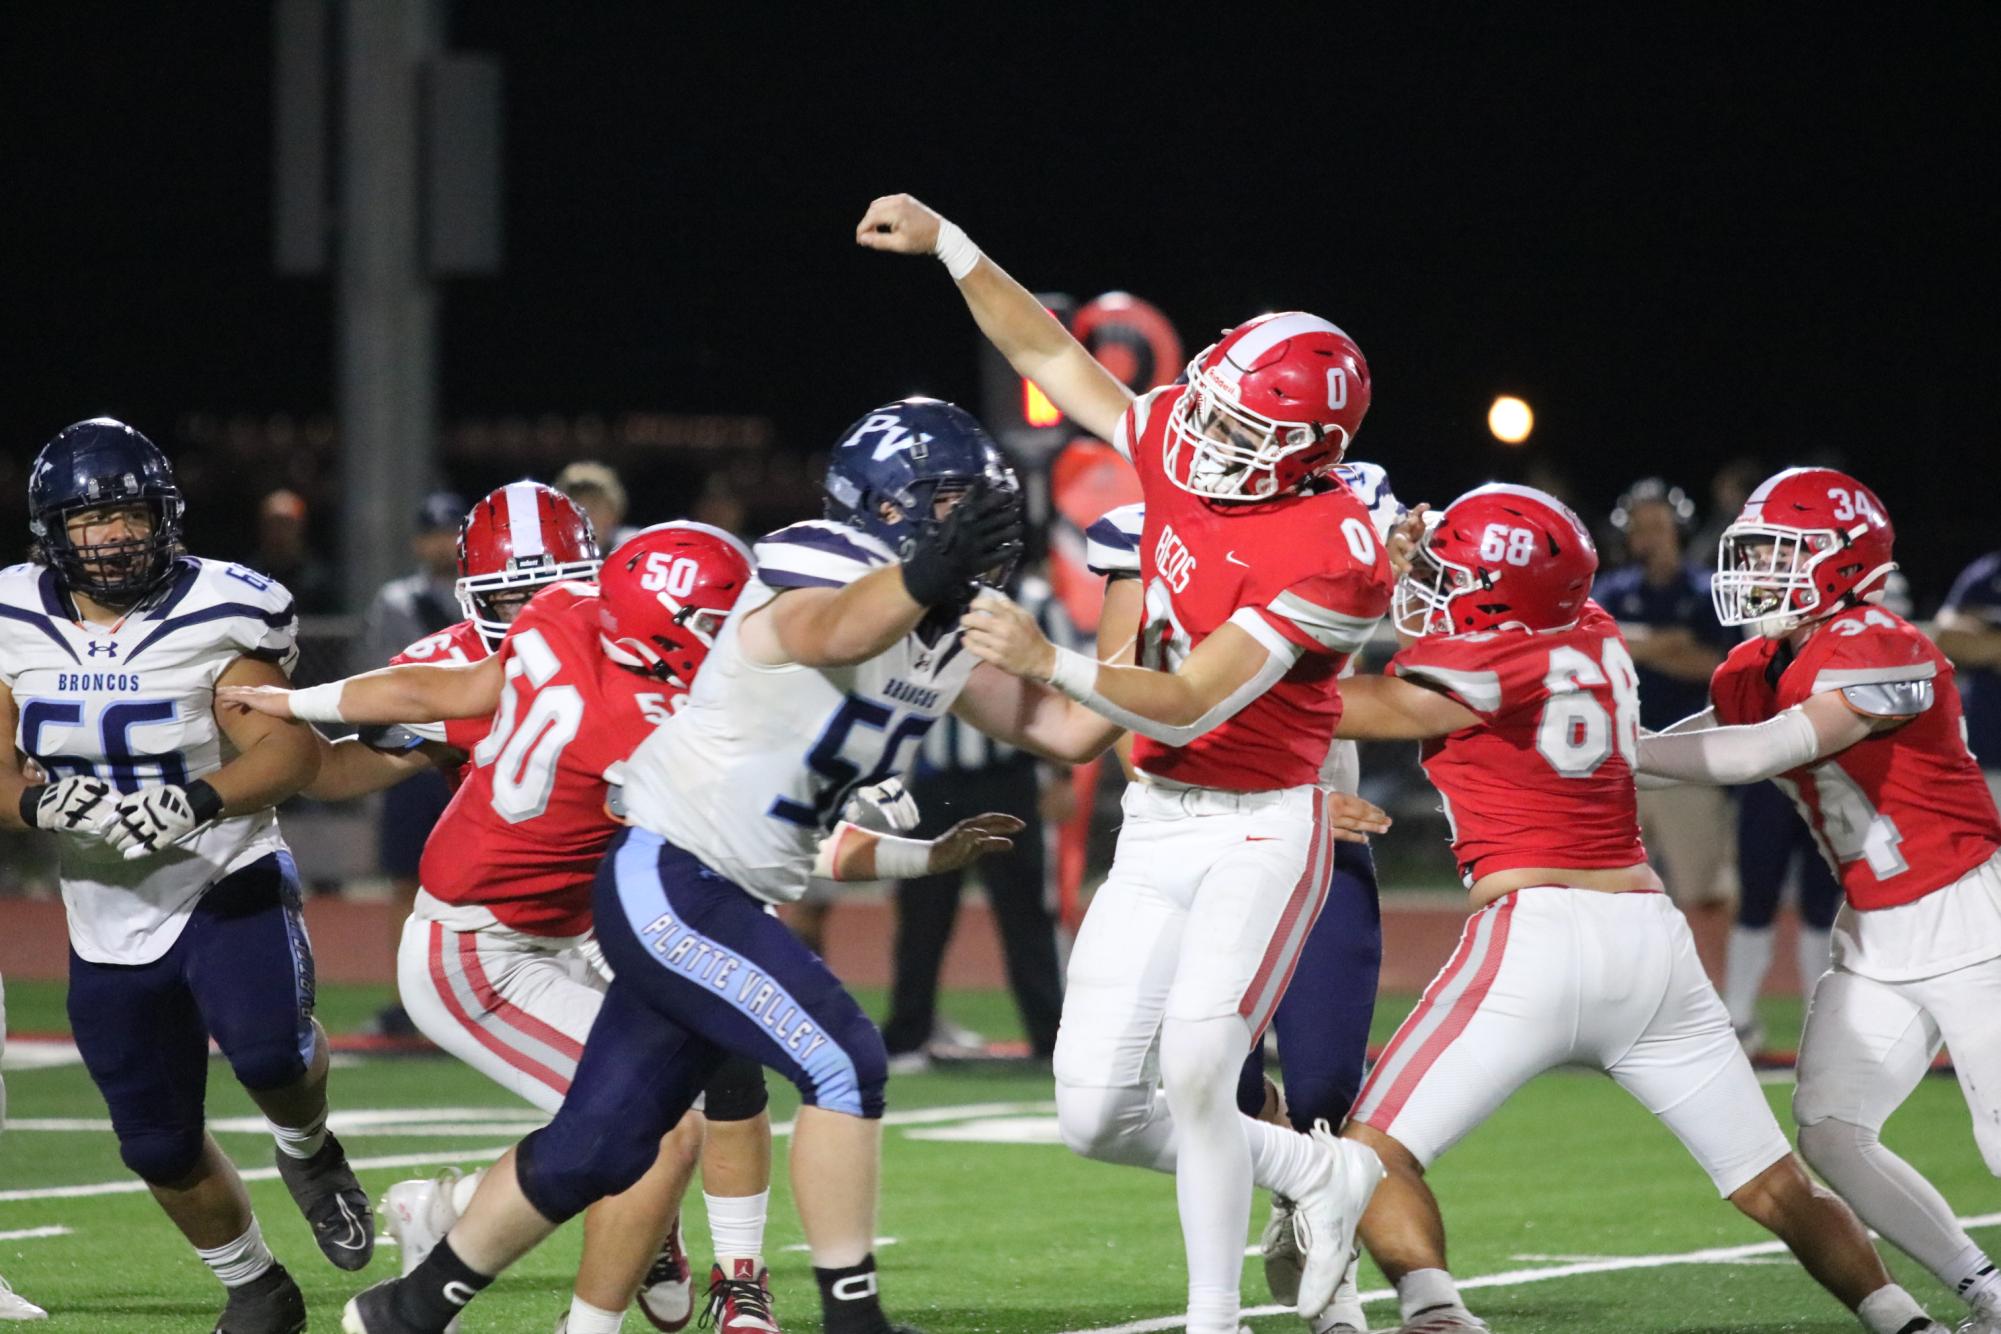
point(98, 464)
point(910, 453)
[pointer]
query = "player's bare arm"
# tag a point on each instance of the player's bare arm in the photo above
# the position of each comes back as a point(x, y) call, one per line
point(1118, 641)
point(1818, 728)
point(1034, 718)
point(832, 627)
point(979, 530)
point(275, 759)
point(1225, 672)
point(406, 693)
point(1032, 339)
point(351, 768)
point(1389, 708)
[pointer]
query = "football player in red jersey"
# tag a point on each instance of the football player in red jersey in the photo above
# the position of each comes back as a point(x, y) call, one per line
point(1526, 702)
point(1258, 585)
point(1856, 714)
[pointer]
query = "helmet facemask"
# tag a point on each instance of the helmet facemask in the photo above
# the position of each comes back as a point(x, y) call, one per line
point(1767, 576)
point(477, 593)
point(1234, 453)
point(1422, 602)
point(117, 574)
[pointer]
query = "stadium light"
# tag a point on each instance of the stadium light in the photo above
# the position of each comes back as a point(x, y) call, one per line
point(1510, 419)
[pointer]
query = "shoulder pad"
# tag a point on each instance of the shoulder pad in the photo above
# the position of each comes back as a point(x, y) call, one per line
point(818, 554)
point(1111, 545)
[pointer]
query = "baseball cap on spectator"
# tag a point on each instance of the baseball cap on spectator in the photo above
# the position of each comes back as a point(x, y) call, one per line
point(441, 509)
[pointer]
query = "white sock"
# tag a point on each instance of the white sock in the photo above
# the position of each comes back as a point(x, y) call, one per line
point(237, 1262)
point(464, 1189)
point(1283, 1161)
point(736, 1223)
point(588, 1319)
point(1890, 1195)
point(1199, 1061)
point(1974, 1277)
point(300, 1141)
point(1423, 1289)
point(1889, 1310)
point(1744, 969)
point(1814, 949)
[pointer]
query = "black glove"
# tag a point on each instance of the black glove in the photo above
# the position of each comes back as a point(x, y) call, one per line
point(982, 533)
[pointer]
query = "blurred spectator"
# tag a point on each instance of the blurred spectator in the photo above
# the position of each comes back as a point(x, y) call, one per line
point(720, 506)
point(426, 601)
point(405, 611)
point(282, 553)
point(1728, 490)
point(601, 496)
point(961, 772)
point(1772, 843)
point(1969, 632)
point(1661, 600)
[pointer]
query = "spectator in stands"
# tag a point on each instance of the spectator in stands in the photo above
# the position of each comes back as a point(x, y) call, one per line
point(601, 496)
point(1661, 600)
point(1728, 490)
point(283, 553)
point(404, 611)
point(961, 772)
point(1969, 632)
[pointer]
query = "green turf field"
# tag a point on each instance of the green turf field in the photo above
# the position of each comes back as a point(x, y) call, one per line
point(991, 1236)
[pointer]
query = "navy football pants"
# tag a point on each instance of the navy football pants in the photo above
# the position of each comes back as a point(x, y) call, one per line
point(242, 972)
point(1322, 1022)
point(701, 972)
point(1772, 837)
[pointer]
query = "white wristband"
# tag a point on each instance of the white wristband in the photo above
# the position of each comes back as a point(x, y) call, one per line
point(901, 858)
point(1075, 674)
point(955, 249)
point(318, 704)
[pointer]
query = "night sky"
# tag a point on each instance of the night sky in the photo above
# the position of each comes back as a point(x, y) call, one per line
point(1684, 237)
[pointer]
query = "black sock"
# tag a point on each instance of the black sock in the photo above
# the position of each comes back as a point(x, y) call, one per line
point(438, 1289)
point(848, 1301)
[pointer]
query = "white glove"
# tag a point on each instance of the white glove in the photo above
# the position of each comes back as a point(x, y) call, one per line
point(885, 807)
point(79, 805)
point(149, 820)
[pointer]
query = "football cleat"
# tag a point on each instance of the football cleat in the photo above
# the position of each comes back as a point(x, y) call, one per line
point(740, 1303)
point(324, 1188)
point(1344, 1314)
point(271, 1303)
point(1282, 1257)
point(667, 1293)
point(13, 1306)
point(1326, 1215)
point(1453, 1319)
point(1981, 1322)
point(373, 1311)
point(418, 1213)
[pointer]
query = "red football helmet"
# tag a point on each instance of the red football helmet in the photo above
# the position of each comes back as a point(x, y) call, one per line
point(518, 539)
point(1811, 542)
point(1269, 406)
point(664, 594)
point(1498, 557)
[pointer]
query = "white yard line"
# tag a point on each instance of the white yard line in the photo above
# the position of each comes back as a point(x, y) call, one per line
point(917, 1116)
point(30, 1233)
point(1517, 1277)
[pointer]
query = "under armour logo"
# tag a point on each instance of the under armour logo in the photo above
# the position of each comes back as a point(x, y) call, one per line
point(458, 1293)
point(106, 646)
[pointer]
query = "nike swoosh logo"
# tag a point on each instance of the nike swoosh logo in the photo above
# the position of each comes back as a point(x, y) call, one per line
point(1260, 838)
point(1231, 557)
